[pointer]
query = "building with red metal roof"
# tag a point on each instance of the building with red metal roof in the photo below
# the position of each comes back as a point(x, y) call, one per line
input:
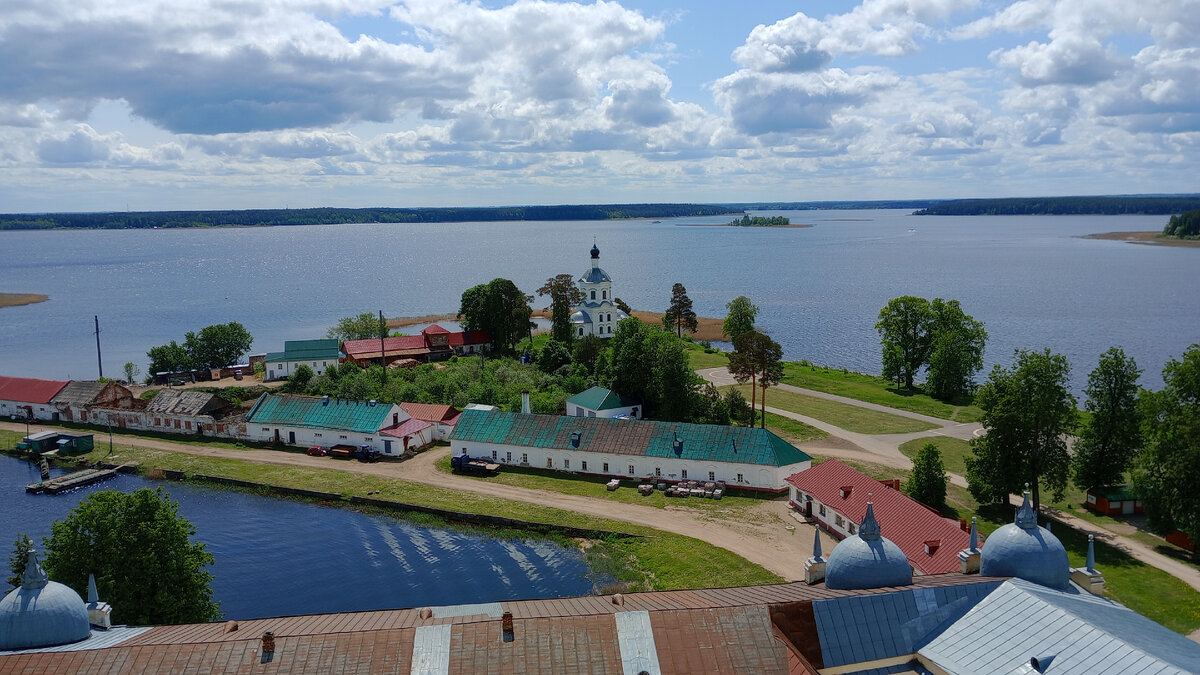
point(836, 496)
point(442, 417)
point(20, 396)
point(434, 343)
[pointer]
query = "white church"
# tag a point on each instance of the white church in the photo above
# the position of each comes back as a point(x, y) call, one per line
point(597, 315)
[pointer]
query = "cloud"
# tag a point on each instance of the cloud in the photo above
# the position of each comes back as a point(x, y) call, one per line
point(83, 145)
point(1068, 60)
point(764, 103)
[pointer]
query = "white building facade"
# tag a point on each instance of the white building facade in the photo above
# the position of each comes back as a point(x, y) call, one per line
point(597, 315)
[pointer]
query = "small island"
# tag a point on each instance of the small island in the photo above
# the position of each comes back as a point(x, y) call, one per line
point(15, 299)
point(1182, 230)
point(760, 221)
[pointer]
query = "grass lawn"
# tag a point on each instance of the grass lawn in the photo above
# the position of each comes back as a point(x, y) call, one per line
point(874, 389)
point(658, 561)
point(699, 359)
point(844, 415)
point(954, 451)
point(793, 431)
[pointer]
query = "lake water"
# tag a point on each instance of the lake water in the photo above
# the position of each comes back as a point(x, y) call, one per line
point(277, 557)
point(1033, 280)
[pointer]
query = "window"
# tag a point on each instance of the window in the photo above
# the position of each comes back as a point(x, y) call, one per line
point(604, 295)
point(584, 462)
point(369, 438)
point(657, 472)
point(839, 521)
point(508, 457)
point(549, 462)
point(851, 528)
point(317, 434)
point(566, 463)
point(581, 331)
point(740, 479)
point(264, 428)
point(187, 425)
point(821, 510)
point(593, 295)
point(591, 413)
point(494, 454)
point(606, 467)
point(578, 411)
point(630, 469)
point(712, 476)
point(342, 436)
point(524, 457)
point(683, 474)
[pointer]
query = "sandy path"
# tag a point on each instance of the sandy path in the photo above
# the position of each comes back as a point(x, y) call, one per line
point(760, 536)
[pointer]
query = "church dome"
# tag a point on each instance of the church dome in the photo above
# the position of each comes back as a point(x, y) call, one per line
point(1024, 550)
point(595, 251)
point(867, 559)
point(41, 613)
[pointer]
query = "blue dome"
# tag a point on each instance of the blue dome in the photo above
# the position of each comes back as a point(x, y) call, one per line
point(595, 251)
point(867, 559)
point(1024, 550)
point(41, 613)
point(581, 316)
point(595, 276)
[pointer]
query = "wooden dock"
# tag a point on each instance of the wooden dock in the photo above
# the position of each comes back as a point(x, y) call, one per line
point(70, 481)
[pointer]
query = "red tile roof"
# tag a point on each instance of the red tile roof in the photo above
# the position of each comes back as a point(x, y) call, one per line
point(406, 428)
point(29, 390)
point(904, 520)
point(434, 329)
point(471, 337)
point(432, 412)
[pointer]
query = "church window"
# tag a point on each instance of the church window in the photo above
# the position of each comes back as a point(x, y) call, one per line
point(593, 295)
point(581, 331)
point(604, 294)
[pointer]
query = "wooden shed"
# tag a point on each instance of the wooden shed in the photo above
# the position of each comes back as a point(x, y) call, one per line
point(1113, 501)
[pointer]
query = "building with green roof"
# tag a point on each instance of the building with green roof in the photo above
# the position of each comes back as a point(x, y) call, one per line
point(309, 420)
point(741, 457)
point(316, 354)
point(601, 402)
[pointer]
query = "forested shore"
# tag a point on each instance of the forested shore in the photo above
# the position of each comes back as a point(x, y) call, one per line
point(1065, 206)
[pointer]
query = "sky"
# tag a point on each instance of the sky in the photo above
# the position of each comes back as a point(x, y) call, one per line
point(113, 105)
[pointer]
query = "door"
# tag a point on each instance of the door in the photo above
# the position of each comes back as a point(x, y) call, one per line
point(387, 446)
point(808, 508)
point(291, 438)
point(1127, 507)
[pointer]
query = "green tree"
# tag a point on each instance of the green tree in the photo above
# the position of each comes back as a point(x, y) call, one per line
point(169, 358)
point(679, 315)
point(218, 345)
point(621, 305)
point(956, 351)
point(297, 382)
point(651, 365)
point(564, 295)
point(927, 483)
point(1027, 413)
point(904, 332)
point(498, 308)
point(758, 359)
point(740, 318)
point(1111, 437)
point(131, 371)
point(20, 555)
point(1168, 470)
point(1184, 226)
point(553, 356)
point(587, 350)
point(362, 327)
point(141, 552)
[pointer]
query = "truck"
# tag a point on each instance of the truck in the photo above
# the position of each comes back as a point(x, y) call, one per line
point(343, 452)
point(466, 464)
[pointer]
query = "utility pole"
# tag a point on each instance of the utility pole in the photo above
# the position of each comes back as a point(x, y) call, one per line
point(99, 362)
point(382, 353)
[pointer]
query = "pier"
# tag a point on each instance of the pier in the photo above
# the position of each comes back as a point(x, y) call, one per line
point(71, 481)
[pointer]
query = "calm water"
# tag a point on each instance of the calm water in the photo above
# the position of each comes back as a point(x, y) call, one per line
point(277, 557)
point(1032, 280)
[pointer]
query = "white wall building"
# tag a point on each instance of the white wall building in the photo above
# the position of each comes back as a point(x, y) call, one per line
point(597, 315)
point(309, 420)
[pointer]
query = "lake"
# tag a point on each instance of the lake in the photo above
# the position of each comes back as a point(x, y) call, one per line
point(1033, 280)
point(276, 557)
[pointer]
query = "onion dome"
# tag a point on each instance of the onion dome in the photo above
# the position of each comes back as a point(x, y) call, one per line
point(595, 251)
point(867, 559)
point(1022, 549)
point(41, 613)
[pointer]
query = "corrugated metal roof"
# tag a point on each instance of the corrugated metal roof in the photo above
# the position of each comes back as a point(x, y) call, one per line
point(316, 413)
point(431, 650)
point(431, 412)
point(307, 350)
point(79, 392)
point(29, 390)
point(904, 520)
point(1085, 634)
point(599, 398)
point(184, 402)
point(635, 638)
point(406, 428)
point(700, 442)
point(887, 625)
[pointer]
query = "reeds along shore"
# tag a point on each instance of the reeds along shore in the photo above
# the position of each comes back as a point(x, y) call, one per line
point(16, 299)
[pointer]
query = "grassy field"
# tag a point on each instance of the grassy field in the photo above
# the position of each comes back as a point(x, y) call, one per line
point(793, 431)
point(698, 359)
point(657, 561)
point(844, 415)
point(874, 390)
point(954, 451)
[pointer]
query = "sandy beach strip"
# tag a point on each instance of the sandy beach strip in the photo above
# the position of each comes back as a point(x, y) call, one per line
point(15, 299)
point(1152, 238)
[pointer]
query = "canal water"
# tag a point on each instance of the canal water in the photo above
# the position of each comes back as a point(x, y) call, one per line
point(276, 557)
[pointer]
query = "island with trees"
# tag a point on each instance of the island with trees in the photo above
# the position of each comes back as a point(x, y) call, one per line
point(761, 221)
point(1184, 225)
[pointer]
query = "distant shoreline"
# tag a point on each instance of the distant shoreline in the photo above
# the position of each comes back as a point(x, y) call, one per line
point(748, 227)
point(708, 329)
point(17, 299)
point(1151, 238)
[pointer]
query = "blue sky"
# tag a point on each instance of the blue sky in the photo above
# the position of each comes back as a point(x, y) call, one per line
point(157, 104)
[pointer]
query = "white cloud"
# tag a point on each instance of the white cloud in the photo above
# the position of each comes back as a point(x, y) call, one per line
point(1068, 60)
point(83, 145)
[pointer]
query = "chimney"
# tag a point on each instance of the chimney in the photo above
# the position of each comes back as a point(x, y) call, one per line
point(1041, 663)
point(506, 626)
point(968, 558)
point(325, 400)
point(525, 402)
point(268, 647)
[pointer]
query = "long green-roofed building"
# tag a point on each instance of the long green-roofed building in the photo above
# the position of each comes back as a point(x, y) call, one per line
point(327, 421)
point(669, 451)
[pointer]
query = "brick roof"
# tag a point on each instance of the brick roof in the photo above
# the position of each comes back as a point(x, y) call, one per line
point(701, 442)
point(432, 412)
point(29, 390)
point(904, 520)
point(311, 412)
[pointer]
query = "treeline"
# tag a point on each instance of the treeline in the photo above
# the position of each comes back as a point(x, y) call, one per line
point(760, 221)
point(1184, 226)
point(1064, 206)
point(329, 216)
point(835, 205)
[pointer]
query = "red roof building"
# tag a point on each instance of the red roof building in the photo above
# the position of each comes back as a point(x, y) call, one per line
point(442, 417)
point(836, 496)
point(434, 343)
point(19, 393)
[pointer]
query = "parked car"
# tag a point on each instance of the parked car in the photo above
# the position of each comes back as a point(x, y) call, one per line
point(318, 451)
